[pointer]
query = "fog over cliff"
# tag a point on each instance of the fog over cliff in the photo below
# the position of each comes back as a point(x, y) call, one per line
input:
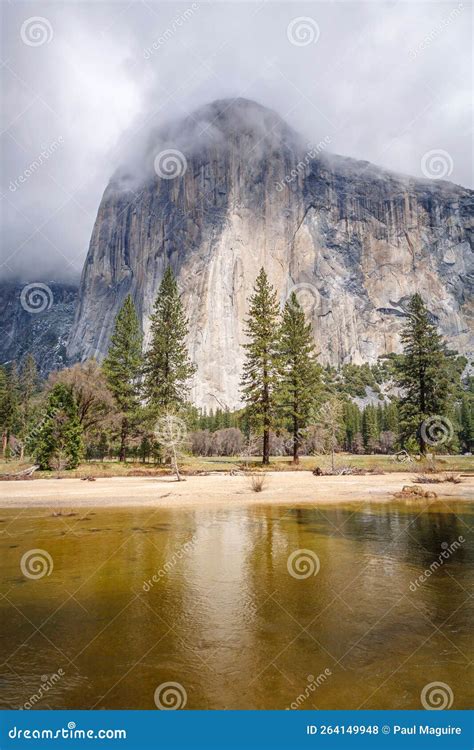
point(234, 188)
point(84, 94)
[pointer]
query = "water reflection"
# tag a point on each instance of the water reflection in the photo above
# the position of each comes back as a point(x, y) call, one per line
point(204, 598)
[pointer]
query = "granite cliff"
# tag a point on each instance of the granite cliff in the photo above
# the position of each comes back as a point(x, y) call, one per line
point(240, 189)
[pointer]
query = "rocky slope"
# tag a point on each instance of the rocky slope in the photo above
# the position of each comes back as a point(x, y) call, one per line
point(36, 319)
point(249, 192)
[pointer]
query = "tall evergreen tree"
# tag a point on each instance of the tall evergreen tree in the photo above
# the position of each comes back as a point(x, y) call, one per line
point(423, 373)
point(260, 368)
point(299, 374)
point(123, 369)
point(467, 422)
point(167, 364)
point(28, 386)
point(370, 428)
point(9, 404)
point(352, 423)
point(57, 443)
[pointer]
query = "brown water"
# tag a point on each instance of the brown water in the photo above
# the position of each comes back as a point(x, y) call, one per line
point(226, 620)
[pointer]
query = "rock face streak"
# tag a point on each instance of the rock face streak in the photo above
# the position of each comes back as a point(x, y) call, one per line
point(357, 239)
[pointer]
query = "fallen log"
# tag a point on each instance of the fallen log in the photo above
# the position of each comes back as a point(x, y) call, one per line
point(23, 474)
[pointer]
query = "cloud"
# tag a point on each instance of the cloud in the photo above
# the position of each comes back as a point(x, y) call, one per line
point(387, 82)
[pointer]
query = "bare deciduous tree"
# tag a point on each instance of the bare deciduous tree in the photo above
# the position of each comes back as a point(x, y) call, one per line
point(171, 433)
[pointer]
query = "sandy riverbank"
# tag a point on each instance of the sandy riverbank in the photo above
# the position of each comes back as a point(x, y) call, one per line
point(280, 488)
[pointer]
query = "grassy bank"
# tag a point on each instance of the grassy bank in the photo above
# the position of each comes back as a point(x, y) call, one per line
point(199, 464)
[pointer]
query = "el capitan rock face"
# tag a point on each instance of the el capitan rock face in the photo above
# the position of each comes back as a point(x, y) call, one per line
point(359, 239)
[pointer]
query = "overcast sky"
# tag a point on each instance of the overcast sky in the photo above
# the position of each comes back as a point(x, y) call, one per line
point(387, 81)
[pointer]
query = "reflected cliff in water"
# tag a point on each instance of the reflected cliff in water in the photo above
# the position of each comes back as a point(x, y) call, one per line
point(137, 598)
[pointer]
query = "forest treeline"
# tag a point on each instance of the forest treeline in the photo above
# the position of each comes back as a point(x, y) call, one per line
point(417, 401)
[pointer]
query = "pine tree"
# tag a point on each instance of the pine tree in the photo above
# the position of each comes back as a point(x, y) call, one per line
point(352, 423)
point(467, 422)
point(28, 386)
point(57, 443)
point(370, 428)
point(3, 407)
point(423, 373)
point(123, 369)
point(10, 404)
point(260, 368)
point(167, 364)
point(299, 374)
